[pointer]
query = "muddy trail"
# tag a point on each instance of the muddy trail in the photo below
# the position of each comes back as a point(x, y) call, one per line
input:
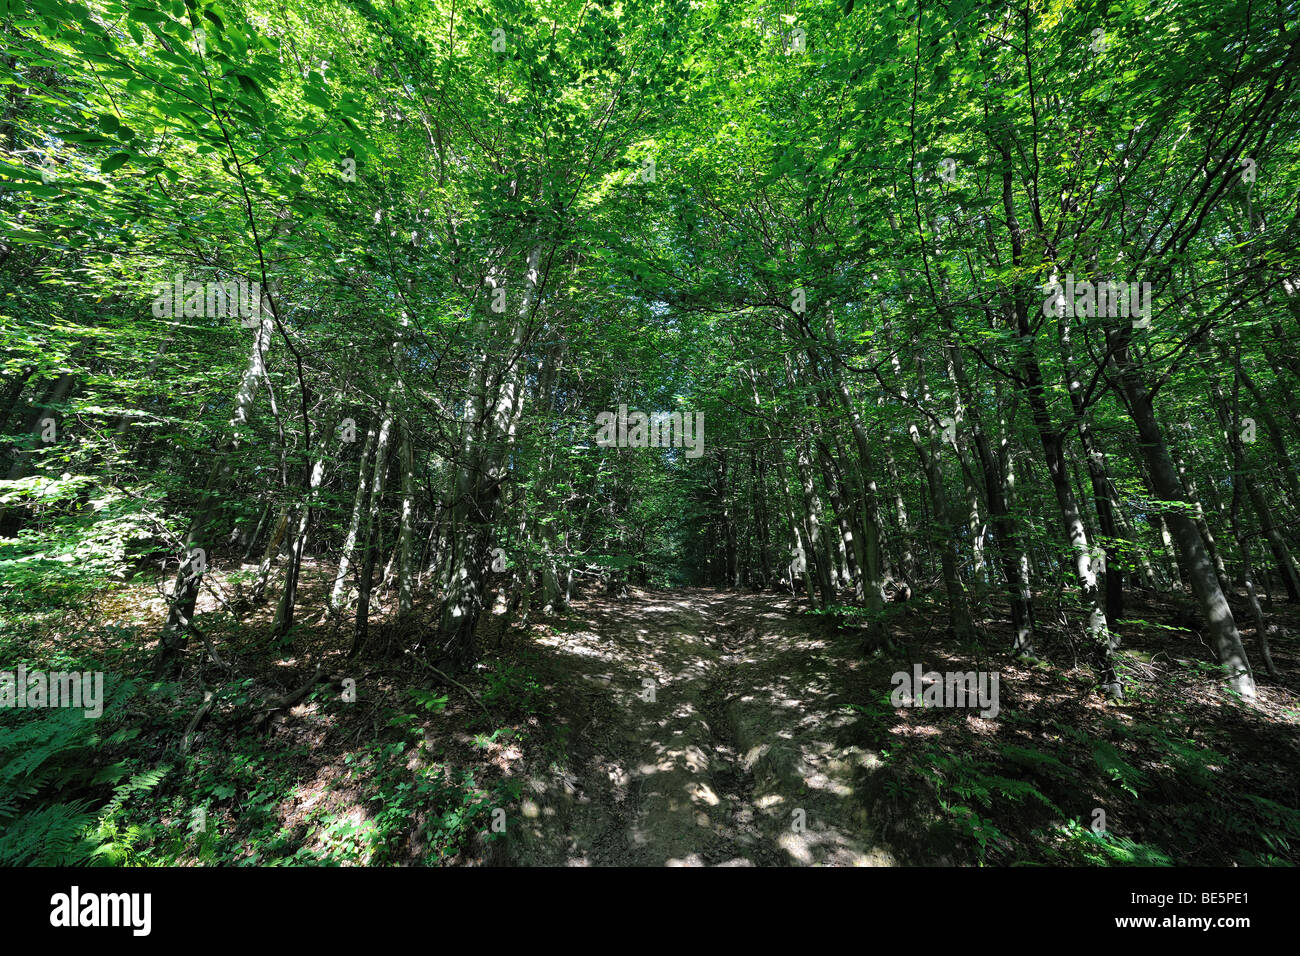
point(697, 728)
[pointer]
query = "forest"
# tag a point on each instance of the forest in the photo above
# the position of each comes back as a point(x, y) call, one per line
point(649, 432)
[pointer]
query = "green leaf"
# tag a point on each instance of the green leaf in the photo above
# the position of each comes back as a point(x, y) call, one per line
point(114, 162)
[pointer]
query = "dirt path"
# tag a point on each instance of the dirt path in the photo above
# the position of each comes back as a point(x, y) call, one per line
point(699, 728)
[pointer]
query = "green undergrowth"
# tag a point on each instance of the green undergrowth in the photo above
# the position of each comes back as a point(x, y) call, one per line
point(374, 783)
point(1128, 787)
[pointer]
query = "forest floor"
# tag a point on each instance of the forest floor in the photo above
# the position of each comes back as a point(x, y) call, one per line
point(770, 739)
point(705, 728)
point(672, 727)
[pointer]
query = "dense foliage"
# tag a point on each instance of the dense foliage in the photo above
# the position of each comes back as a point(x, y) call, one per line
point(310, 310)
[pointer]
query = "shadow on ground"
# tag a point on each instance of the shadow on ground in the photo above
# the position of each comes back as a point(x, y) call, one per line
point(705, 728)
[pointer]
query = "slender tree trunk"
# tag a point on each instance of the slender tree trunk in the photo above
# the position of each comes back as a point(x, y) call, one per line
point(944, 541)
point(405, 593)
point(1227, 420)
point(193, 566)
point(1011, 553)
point(1031, 379)
point(1166, 486)
point(268, 557)
point(289, 596)
point(354, 522)
point(490, 434)
point(371, 528)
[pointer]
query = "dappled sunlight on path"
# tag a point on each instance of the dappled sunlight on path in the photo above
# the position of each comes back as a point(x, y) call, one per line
point(703, 732)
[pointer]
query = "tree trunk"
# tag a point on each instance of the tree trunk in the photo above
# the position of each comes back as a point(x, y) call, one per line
point(193, 566)
point(1166, 486)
